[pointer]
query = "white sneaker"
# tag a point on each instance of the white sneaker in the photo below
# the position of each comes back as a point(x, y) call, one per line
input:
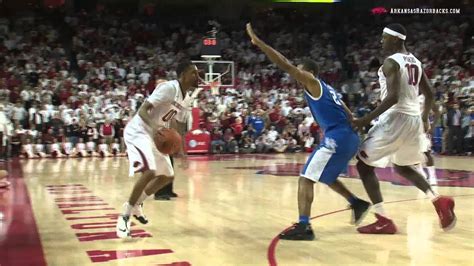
point(123, 226)
point(138, 213)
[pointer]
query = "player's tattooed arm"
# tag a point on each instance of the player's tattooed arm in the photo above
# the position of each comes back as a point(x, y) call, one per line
point(391, 71)
point(302, 76)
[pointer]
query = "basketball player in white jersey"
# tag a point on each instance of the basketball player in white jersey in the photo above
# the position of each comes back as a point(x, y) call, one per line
point(165, 104)
point(426, 147)
point(396, 135)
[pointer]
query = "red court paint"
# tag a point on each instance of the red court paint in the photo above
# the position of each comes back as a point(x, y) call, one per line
point(108, 255)
point(179, 263)
point(271, 250)
point(20, 242)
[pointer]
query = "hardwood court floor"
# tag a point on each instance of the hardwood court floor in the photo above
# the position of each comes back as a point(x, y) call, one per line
point(229, 211)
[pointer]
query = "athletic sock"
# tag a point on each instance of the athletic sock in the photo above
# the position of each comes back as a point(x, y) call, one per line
point(378, 208)
point(431, 172)
point(419, 169)
point(126, 209)
point(304, 219)
point(142, 198)
point(431, 194)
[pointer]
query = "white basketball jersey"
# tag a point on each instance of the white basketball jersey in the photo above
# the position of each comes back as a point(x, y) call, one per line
point(421, 101)
point(410, 76)
point(168, 103)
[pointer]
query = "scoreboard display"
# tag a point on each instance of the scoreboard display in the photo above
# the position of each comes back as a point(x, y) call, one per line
point(210, 47)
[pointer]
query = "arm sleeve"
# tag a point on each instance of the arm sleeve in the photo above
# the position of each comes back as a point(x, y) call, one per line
point(163, 93)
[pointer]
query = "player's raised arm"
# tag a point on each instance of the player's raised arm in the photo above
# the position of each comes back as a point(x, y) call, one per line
point(391, 71)
point(302, 76)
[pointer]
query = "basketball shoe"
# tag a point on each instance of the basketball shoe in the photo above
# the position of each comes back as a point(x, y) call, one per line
point(138, 213)
point(298, 231)
point(123, 226)
point(383, 225)
point(445, 208)
point(360, 208)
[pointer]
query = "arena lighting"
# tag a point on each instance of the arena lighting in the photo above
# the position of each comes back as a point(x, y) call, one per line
point(307, 1)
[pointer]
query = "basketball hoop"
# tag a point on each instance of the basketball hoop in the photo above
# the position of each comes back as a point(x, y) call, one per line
point(215, 85)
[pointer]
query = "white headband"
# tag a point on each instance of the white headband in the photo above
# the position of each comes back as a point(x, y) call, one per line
point(394, 33)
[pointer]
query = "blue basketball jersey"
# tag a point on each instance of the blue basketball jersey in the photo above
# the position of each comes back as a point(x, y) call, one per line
point(340, 142)
point(328, 110)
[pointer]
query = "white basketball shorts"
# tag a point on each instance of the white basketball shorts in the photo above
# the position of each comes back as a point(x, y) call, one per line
point(425, 142)
point(143, 154)
point(394, 138)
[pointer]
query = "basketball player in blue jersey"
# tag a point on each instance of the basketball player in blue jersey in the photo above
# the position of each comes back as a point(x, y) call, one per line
point(340, 142)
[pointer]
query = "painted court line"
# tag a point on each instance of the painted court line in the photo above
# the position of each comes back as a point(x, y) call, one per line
point(20, 242)
point(271, 251)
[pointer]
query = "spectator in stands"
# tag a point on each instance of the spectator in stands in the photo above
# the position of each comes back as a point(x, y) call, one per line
point(257, 122)
point(217, 142)
point(455, 136)
point(467, 129)
point(107, 131)
point(231, 145)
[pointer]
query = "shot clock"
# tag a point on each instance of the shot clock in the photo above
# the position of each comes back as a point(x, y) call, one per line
point(210, 47)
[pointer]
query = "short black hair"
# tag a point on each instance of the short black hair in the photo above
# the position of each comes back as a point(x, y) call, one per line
point(398, 28)
point(311, 66)
point(182, 66)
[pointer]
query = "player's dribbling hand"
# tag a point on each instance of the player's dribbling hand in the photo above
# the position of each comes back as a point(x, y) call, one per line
point(253, 37)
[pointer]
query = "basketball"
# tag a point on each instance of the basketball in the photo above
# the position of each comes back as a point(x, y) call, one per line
point(3, 174)
point(168, 141)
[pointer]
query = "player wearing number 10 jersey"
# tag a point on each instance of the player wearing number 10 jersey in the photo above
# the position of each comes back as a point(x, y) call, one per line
point(395, 137)
point(168, 101)
point(340, 142)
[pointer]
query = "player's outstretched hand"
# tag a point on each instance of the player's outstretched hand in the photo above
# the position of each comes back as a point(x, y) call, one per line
point(253, 37)
point(360, 123)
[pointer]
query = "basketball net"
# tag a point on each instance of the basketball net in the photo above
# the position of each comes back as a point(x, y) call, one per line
point(215, 85)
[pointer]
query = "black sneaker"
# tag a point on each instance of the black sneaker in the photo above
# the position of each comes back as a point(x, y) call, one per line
point(162, 197)
point(299, 231)
point(173, 195)
point(138, 213)
point(360, 208)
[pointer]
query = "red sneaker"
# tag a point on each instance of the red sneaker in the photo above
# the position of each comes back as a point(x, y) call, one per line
point(445, 208)
point(383, 225)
